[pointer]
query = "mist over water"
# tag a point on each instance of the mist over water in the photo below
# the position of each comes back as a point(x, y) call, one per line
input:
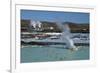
point(66, 34)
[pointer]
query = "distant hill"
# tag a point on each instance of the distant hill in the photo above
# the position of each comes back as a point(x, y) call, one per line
point(78, 27)
point(52, 26)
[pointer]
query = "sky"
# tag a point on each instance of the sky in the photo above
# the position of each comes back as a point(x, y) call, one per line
point(75, 17)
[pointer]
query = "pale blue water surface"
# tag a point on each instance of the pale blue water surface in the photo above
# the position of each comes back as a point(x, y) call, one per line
point(34, 53)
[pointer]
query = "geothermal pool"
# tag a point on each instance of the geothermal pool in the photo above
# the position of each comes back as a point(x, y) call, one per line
point(35, 53)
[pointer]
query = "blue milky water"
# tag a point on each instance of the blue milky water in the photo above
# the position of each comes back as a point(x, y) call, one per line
point(31, 54)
